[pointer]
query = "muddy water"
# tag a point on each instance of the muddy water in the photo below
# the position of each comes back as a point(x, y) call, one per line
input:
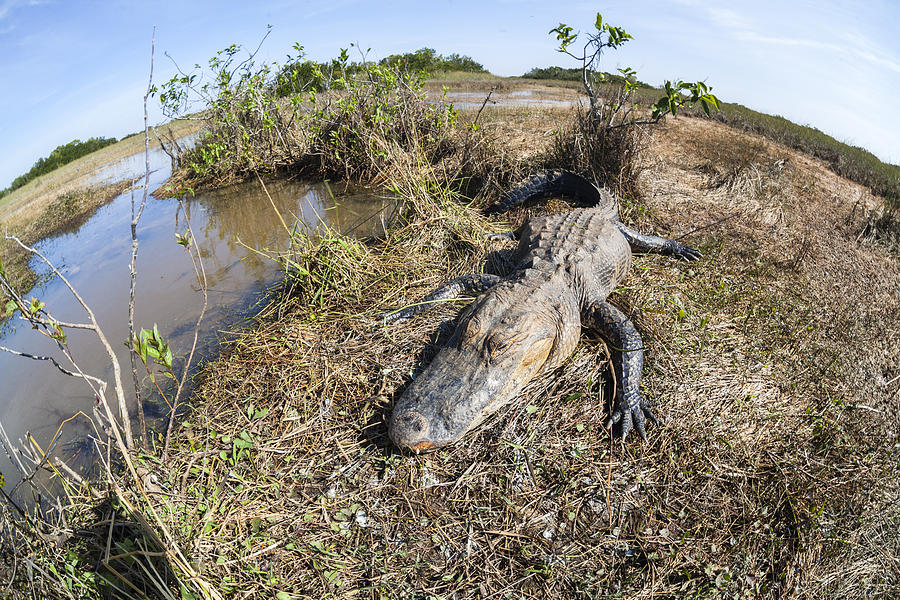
point(519, 98)
point(231, 226)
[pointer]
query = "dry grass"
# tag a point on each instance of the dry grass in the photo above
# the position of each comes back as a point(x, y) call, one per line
point(774, 362)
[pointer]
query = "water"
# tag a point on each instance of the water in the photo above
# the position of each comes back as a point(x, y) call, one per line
point(232, 227)
point(518, 98)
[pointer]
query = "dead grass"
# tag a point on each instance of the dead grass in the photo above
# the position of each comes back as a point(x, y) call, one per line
point(774, 362)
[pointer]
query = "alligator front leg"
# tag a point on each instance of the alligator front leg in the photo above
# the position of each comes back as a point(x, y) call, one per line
point(629, 405)
point(474, 283)
point(641, 242)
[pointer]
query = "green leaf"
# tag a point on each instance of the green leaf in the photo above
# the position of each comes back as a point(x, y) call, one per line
point(35, 306)
point(598, 23)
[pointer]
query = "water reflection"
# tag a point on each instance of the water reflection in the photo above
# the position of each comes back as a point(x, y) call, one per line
point(234, 228)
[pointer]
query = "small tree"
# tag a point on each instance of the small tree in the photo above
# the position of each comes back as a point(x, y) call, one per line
point(605, 140)
point(676, 94)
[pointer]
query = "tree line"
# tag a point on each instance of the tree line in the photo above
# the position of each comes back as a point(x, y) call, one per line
point(60, 156)
point(574, 74)
point(299, 75)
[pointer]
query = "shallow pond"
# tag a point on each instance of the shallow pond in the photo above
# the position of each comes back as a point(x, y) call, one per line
point(234, 227)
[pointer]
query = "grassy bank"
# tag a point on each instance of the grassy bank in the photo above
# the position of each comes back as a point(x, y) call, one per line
point(23, 205)
point(855, 163)
point(768, 478)
point(774, 473)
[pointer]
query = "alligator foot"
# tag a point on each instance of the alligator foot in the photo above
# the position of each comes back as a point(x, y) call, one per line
point(642, 242)
point(632, 411)
point(679, 250)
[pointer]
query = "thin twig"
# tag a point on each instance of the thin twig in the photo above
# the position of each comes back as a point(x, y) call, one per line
point(55, 363)
point(200, 271)
point(483, 104)
point(135, 219)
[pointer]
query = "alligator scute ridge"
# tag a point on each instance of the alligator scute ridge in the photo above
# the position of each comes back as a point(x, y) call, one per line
point(530, 321)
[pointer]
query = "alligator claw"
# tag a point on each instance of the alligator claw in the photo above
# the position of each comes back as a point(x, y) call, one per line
point(679, 250)
point(633, 414)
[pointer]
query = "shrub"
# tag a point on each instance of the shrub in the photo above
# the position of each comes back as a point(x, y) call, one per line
point(605, 139)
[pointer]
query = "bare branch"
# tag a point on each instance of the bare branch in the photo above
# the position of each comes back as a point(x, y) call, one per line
point(117, 370)
point(135, 219)
point(62, 369)
point(52, 322)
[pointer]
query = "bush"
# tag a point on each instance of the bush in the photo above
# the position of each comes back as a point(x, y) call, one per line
point(426, 60)
point(605, 139)
point(350, 121)
point(607, 155)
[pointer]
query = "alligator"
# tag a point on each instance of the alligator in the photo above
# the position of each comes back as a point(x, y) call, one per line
point(530, 321)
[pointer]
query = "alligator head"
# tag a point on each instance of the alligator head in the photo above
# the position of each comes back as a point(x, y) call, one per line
point(502, 341)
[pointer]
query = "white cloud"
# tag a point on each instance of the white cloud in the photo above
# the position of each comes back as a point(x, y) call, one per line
point(7, 6)
point(725, 17)
point(887, 62)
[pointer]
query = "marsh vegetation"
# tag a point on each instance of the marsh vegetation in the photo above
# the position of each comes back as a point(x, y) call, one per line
point(774, 474)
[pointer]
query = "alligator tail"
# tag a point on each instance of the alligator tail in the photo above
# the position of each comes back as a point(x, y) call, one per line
point(553, 183)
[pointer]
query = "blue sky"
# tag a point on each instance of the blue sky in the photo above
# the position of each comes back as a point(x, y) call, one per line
point(76, 69)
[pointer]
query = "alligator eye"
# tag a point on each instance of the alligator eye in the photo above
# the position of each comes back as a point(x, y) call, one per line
point(471, 330)
point(497, 345)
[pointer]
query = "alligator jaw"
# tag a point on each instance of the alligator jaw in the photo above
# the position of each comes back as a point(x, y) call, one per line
point(422, 447)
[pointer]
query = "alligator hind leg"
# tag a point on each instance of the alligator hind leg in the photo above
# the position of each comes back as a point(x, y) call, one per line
point(474, 283)
point(629, 405)
point(640, 242)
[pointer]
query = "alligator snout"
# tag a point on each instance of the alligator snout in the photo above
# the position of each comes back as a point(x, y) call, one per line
point(410, 430)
